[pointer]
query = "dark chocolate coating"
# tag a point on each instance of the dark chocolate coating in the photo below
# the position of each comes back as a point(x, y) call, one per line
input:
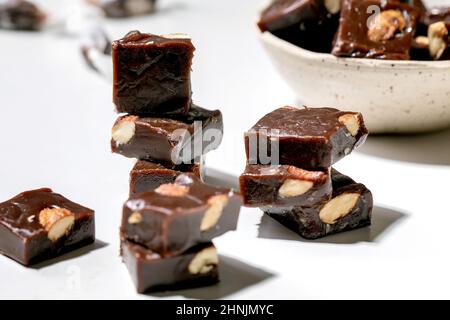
point(151, 272)
point(260, 185)
point(282, 14)
point(147, 176)
point(309, 138)
point(315, 35)
point(352, 40)
point(25, 240)
point(305, 220)
point(152, 74)
point(21, 15)
point(154, 138)
point(171, 225)
point(124, 8)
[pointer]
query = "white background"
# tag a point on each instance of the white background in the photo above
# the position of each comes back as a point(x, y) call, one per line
point(55, 130)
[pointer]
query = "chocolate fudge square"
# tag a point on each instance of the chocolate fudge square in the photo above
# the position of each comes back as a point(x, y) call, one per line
point(349, 208)
point(384, 35)
point(152, 74)
point(283, 185)
point(151, 272)
point(147, 176)
point(308, 138)
point(281, 14)
point(40, 224)
point(171, 141)
point(175, 217)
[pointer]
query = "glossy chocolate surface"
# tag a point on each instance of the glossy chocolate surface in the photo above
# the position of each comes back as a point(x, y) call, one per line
point(263, 185)
point(305, 220)
point(314, 35)
point(174, 139)
point(147, 176)
point(25, 240)
point(286, 13)
point(352, 38)
point(152, 74)
point(151, 272)
point(125, 8)
point(309, 138)
point(171, 224)
point(21, 15)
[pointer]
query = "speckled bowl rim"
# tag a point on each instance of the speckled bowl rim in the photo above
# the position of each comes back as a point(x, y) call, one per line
point(330, 59)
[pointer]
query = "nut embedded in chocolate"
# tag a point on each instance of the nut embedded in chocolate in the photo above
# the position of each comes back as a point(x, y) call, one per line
point(204, 261)
point(338, 207)
point(56, 221)
point(438, 39)
point(124, 130)
point(385, 25)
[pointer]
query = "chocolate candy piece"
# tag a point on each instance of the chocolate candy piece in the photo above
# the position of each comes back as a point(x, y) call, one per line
point(364, 34)
point(151, 272)
point(175, 217)
point(21, 15)
point(147, 176)
point(315, 35)
point(283, 185)
point(40, 224)
point(171, 140)
point(308, 138)
point(96, 49)
point(286, 13)
point(152, 73)
point(124, 8)
point(350, 208)
point(436, 46)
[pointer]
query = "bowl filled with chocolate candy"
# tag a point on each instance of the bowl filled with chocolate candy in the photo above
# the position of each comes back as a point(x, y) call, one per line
point(388, 59)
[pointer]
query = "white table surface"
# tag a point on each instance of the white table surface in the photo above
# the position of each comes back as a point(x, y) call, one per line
point(57, 117)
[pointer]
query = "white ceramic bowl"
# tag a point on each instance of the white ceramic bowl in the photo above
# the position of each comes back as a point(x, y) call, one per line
point(393, 96)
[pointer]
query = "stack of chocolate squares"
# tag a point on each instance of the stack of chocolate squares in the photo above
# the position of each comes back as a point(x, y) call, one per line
point(171, 216)
point(290, 152)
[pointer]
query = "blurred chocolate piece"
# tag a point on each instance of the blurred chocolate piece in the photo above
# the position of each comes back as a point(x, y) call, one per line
point(314, 35)
point(438, 14)
point(350, 208)
point(152, 74)
point(151, 272)
point(124, 8)
point(170, 141)
point(308, 138)
point(363, 33)
point(40, 224)
point(21, 15)
point(147, 176)
point(175, 217)
point(282, 14)
point(434, 46)
point(96, 48)
point(283, 185)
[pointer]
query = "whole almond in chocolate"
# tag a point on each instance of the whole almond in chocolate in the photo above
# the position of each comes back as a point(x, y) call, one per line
point(350, 207)
point(308, 138)
point(177, 216)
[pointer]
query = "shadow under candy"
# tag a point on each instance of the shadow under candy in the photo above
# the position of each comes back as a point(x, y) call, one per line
point(430, 148)
point(98, 244)
point(383, 220)
point(234, 276)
